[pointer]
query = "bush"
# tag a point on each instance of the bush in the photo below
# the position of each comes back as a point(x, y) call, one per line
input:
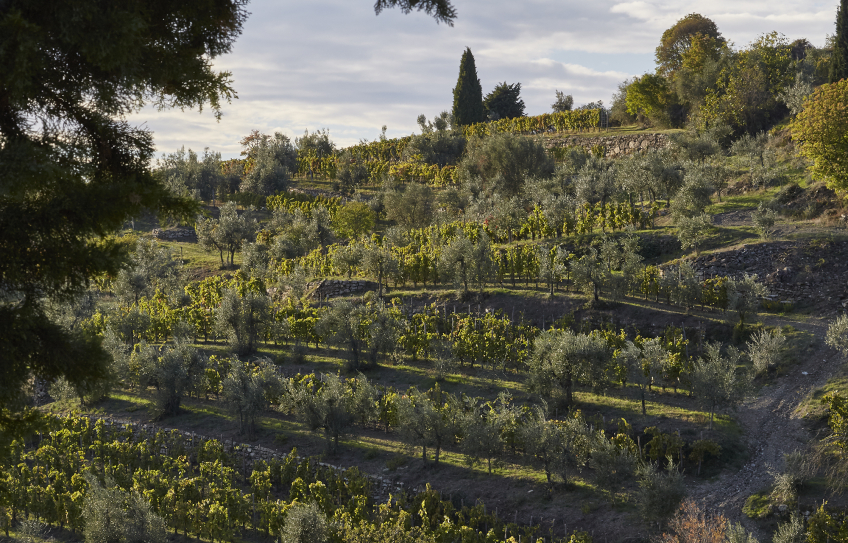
point(305, 523)
point(113, 515)
point(32, 531)
point(504, 162)
point(791, 532)
point(837, 334)
point(691, 232)
point(763, 219)
point(412, 207)
point(764, 349)
point(241, 319)
point(757, 506)
point(249, 389)
point(659, 493)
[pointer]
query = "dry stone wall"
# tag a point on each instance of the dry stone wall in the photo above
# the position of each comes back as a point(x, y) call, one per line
point(175, 234)
point(332, 288)
point(614, 146)
point(794, 272)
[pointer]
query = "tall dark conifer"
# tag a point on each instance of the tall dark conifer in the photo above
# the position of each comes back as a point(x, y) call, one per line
point(468, 94)
point(839, 59)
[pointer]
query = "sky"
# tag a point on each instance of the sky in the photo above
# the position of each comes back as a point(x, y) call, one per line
point(334, 64)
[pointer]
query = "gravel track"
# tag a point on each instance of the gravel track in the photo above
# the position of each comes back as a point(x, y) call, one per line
point(771, 427)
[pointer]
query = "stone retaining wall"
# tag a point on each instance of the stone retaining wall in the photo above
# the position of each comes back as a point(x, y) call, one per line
point(615, 146)
point(331, 288)
point(175, 234)
point(792, 271)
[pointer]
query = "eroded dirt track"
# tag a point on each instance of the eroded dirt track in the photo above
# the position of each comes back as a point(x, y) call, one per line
point(772, 427)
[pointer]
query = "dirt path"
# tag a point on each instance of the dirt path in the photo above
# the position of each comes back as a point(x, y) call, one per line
point(740, 217)
point(771, 427)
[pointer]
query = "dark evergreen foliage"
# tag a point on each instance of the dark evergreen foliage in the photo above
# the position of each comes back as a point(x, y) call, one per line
point(441, 10)
point(468, 94)
point(71, 71)
point(504, 102)
point(839, 59)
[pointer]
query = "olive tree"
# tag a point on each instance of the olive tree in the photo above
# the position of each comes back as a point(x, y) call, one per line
point(660, 493)
point(481, 429)
point(227, 233)
point(465, 261)
point(589, 273)
point(187, 173)
point(693, 197)
point(305, 523)
point(688, 288)
point(791, 531)
point(556, 445)
point(378, 261)
point(716, 381)
point(744, 295)
point(274, 161)
point(552, 265)
point(411, 207)
point(428, 423)
point(346, 258)
point(613, 463)
point(325, 406)
point(693, 231)
point(151, 266)
point(764, 219)
point(249, 389)
point(113, 515)
point(504, 162)
point(837, 334)
point(764, 349)
point(562, 358)
point(644, 364)
point(179, 369)
point(242, 319)
point(366, 331)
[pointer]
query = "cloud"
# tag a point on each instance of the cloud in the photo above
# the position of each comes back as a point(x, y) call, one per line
point(334, 64)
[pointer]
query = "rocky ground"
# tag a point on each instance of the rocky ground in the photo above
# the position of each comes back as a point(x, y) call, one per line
point(807, 274)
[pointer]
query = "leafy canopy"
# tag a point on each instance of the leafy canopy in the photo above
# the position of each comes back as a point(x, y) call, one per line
point(678, 39)
point(822, 129)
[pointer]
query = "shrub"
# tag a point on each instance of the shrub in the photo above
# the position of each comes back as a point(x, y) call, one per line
point(504, 161)
point(113, 515)
point(757, 505)
point(763, 219)
point(305, 523)
point(792, 531)
point(660, 493)
point(764, 349)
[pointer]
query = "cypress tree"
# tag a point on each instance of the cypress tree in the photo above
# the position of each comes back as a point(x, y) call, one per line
point(839, 58)
point(468, 94)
